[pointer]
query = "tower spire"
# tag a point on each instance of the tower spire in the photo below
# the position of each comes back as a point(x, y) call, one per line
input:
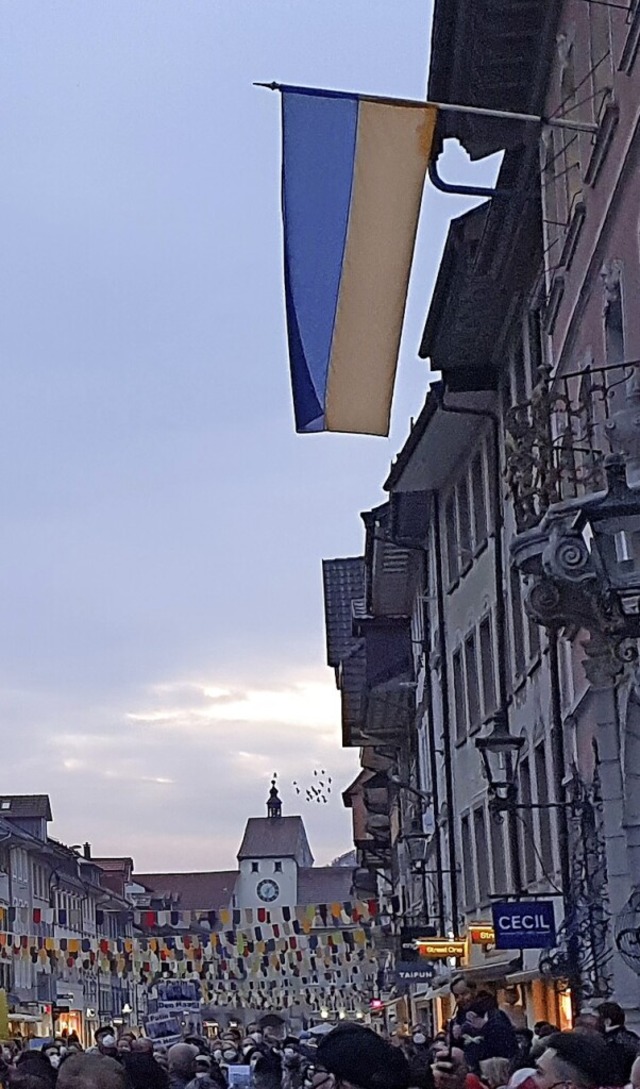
point(274, 805)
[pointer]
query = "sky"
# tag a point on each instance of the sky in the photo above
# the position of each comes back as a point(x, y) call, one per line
point(162, 527)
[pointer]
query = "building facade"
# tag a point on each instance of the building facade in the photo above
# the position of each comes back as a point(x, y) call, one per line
point(532, 332)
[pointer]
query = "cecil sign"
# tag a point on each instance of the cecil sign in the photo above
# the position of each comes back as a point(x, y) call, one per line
point(529, 924)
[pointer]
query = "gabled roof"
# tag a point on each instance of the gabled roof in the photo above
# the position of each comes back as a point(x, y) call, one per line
point(114, 864)
point(276, 837)
point(205, 891)
point(29, 806)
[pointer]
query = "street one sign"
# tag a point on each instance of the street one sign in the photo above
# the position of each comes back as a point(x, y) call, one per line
point(440, 948)
point(409, 971)
point(529, 924)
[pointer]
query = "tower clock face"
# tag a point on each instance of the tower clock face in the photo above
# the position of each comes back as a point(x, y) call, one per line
point(268, 890)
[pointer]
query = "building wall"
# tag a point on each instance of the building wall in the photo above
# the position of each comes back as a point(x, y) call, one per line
point(283, 872)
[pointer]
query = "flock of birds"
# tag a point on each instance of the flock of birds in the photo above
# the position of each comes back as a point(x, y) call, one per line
point(319, 790)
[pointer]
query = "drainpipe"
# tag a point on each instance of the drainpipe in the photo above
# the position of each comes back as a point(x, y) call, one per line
point(433, 768)
point(500, 615)
point(446, 715)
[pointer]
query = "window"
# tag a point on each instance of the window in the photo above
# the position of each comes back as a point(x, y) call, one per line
point(534, 638)
point(465, 544)
point(277, 867)
point(458, 696)
point(255, 867)
point(452, 538)
point(544, 815)
point(487, 666)
point(568, 168)
point(479, 499)
point(517, 624)
point(535, 340)
point(527, 826)
point(467, 864)
point(498, 856)
point(482, 854)
point(473, 687)
point(613, 315)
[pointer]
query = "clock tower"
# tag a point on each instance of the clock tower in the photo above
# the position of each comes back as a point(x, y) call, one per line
point(274, 848)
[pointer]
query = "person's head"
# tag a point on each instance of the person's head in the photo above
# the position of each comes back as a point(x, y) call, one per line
point(419, 1036)
point(544, 1028)
point(572, 1059)
point(511, 996)
point(610, 1016)
point(203, 1066)
point(463, 990)
point(106, 1040)
point(91, 1072)
point(353, 1055)
point(587, 1021)
point(181, 1059)
point(124, 1044)
point(495, 1072)
point(143, 1044)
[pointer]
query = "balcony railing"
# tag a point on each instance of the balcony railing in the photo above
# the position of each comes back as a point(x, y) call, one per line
point(557, 441)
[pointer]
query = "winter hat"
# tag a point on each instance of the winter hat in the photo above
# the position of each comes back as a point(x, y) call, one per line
point(587, 1052)
point(357, 1054)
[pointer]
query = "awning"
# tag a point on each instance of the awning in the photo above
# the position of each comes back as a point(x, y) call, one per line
point(523, 977)
point(488, 973)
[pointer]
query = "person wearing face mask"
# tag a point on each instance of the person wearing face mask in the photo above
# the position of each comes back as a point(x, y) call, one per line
point(208, 1074)
point(418, 1055)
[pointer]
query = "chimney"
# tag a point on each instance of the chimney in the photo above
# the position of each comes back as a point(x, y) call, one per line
point(86, 850)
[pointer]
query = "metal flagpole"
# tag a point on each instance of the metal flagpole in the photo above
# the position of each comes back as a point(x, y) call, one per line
point(450, 107)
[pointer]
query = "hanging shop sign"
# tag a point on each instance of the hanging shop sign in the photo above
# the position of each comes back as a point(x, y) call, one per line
point(481, 934)
point(413, 972)
point(441, 948)
point(528, 924)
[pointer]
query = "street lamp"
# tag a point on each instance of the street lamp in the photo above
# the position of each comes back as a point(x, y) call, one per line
point(500, 751)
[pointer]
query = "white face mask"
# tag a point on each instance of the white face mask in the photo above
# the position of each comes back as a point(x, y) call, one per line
point(289, 1052)
point(217, 1055)
point(201, 1073)
point(229, 1056)
point(257, 1036)
point(419, 1038)
point(55, 1061)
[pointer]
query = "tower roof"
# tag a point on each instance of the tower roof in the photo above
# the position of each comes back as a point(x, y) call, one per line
point(282, 838)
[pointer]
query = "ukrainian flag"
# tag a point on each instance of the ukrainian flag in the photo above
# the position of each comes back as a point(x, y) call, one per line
point(352, 179)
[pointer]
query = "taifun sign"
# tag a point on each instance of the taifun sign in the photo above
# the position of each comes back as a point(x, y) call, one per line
point(529, 924)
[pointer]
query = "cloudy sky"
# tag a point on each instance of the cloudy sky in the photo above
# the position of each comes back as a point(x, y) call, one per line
point(161, 623)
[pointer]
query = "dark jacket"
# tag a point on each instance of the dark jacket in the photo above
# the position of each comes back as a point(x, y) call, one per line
point(622, 1051)
point(495, 1040)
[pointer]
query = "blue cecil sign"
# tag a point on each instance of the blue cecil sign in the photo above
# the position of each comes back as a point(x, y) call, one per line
point(529, 924)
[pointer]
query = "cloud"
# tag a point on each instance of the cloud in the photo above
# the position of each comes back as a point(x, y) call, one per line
point(170, 772)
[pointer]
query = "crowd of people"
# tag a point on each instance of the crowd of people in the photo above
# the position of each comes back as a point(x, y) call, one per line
point(483, 1046)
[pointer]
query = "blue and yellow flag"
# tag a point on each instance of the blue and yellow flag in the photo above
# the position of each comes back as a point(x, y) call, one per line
point(352, 180)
